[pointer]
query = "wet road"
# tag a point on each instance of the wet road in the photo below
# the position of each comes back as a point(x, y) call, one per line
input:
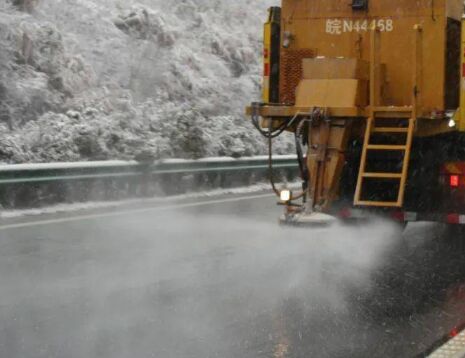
point(221, 279)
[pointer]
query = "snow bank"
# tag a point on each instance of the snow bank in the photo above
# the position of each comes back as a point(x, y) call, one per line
point(110, 79)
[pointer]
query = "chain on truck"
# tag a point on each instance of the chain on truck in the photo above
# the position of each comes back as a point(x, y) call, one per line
point(374, 92)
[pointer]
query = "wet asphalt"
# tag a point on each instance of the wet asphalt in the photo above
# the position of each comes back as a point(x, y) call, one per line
point(225, 280)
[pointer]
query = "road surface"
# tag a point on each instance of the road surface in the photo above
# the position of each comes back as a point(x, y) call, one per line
point(217, 277)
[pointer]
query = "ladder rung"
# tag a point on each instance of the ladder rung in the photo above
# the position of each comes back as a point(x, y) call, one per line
point(389, 130)
point(386, 147)
point(386, 113)
point(389, 204)
point(383, 175)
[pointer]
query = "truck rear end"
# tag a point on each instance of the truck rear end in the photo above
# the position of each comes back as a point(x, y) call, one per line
point(374, 94)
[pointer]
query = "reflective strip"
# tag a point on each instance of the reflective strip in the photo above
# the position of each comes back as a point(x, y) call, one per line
point(407, 216)
point(455, 348)
point(453, 219)
point(461, 112)
point(398, 216)
point(359, 214)
point(345, 213)
point(411, 216)
point(266, 60)
point(266, 70)
point(348, 213)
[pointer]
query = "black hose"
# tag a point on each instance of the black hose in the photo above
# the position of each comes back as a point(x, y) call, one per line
point(270, 163)
point(304, 173)
point(270, 135)
point(271, 176)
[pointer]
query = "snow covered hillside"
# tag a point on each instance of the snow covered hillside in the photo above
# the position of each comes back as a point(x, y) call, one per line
point(118, 79)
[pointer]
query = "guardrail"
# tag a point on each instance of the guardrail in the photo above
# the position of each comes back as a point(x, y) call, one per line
point(27, 185)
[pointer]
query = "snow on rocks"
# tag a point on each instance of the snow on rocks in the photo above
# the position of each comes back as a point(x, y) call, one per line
point(109, 79)
point(25, 5)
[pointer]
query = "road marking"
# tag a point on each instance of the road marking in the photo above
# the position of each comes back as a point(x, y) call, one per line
point(127, 212)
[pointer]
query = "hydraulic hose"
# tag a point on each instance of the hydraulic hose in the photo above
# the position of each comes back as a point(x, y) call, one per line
point(270, 171)
point(300, 157)
point(271, 133)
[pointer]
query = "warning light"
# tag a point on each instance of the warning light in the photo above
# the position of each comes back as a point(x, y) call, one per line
point(454, 181)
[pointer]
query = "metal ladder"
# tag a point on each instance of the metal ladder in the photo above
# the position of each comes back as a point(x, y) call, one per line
point(401, 177)
point(376, 112)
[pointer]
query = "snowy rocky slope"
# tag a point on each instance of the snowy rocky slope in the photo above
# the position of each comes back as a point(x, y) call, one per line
point(121, 79)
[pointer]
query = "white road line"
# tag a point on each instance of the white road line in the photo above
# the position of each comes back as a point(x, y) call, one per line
point(127, 212)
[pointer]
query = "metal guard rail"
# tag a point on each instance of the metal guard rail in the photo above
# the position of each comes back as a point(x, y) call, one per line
point(52, 172)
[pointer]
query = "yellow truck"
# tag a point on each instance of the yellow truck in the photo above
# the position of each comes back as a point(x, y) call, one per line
point(374, 92)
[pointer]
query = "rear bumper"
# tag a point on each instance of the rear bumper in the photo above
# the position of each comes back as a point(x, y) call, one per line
point(451, 218)
point(404, 216)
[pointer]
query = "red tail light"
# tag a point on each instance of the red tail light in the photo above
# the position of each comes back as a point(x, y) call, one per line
point(454, 181)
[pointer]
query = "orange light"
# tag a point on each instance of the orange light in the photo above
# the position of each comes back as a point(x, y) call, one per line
point(454, 181)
